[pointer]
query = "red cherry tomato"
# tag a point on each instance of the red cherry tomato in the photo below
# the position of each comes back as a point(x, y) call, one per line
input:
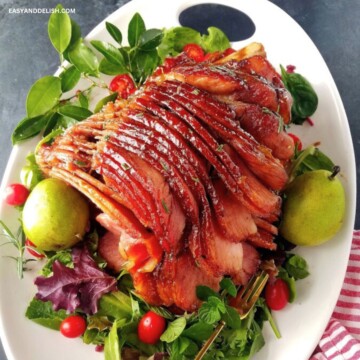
point(229, 51)
point(277, 294)
point(151, 327)
point(195, 52)
point(73, 326)
point(169, 63)
point(123, 84)
point(16, 194)
point(29, 247)
point(297, 141)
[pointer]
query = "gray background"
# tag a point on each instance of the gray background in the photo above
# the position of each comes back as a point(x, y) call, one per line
point(26, 54)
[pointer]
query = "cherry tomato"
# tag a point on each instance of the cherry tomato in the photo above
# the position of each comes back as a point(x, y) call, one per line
point(195, 52)
point(123, 84)
point(16, 194)
point(151, 327)
point(229, 51)
point(169, 63)
point(277, 294)
point(29, 247)
point(297, 141)
point(73, 326)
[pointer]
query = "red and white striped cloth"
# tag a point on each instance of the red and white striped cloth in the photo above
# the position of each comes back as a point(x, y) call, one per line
point(341, 339)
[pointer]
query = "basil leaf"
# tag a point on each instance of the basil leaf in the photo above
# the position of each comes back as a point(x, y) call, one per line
point(28, 128)
point(112, 350)
point(114, 32)
point(150, 39)
point(43, 95)
point(42, 313)
point(108, 68)
point(305, 100)
point(74, 112)
point(210, 311)
point(69, 78)
point(111, 53)
point(200, 331)
point(231, 318)
point(215, 41)
point(173, 330)
point(204, 292)
point(83, 58)
point(229, 286)
point(135, 29)
point(59, 29)
point(297, 267)
point(112, 97)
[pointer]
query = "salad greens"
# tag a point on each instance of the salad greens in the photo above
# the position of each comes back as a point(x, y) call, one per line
point(115, 321)
point(176, 38)
point(305, 100)
point(309, 159)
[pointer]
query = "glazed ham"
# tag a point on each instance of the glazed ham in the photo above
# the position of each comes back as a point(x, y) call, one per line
point(185, 173)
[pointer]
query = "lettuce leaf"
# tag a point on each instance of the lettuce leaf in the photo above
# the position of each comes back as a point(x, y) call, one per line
point(80, 287)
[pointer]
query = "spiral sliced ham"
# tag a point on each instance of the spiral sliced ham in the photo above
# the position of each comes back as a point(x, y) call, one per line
point(185, 173)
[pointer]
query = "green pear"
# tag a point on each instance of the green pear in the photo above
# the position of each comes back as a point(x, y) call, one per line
point(314, 208)
point(55, 215)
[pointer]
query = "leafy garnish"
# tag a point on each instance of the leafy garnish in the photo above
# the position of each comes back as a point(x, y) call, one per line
point(42, 313)
point(305, 100)
point(296, 266)
point(63, 256)
point(174, 330)
point(31, 174)
point(228, 285)
point(176, 38)
point(210, 311)
point(59, 29)
point(18, 241)
point(309, 159)
point(80, 287)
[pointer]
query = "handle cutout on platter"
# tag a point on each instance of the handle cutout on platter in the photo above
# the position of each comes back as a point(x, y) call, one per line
point(234, 23)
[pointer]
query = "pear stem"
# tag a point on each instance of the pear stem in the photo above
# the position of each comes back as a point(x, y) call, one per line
point(336, 170)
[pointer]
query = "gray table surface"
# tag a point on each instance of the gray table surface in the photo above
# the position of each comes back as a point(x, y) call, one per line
point(26, 54)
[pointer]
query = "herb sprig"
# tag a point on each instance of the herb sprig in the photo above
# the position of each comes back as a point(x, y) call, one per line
point(18, 241)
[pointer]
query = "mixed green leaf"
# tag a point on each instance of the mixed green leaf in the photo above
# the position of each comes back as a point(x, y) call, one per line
point(305, 99)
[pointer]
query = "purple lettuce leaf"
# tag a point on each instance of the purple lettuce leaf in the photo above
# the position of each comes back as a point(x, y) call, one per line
point(80, 287)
